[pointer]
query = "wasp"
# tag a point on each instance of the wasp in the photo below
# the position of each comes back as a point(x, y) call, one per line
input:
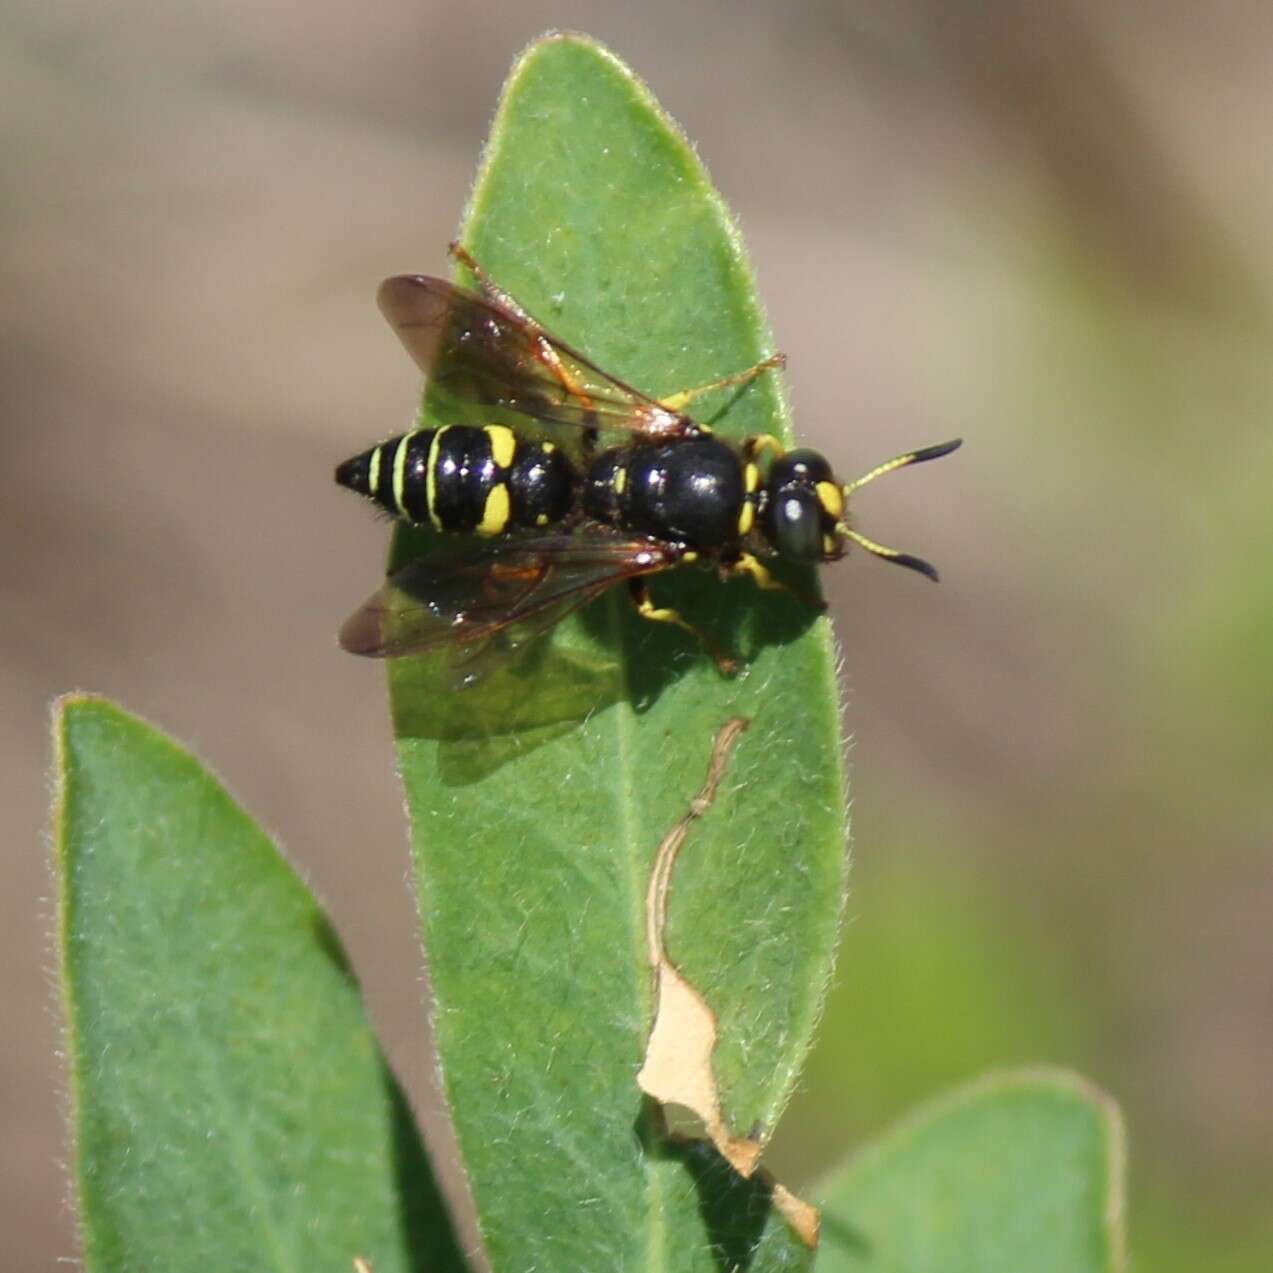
point(552, 517)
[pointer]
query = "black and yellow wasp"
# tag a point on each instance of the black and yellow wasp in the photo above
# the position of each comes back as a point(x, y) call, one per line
point(550, 517)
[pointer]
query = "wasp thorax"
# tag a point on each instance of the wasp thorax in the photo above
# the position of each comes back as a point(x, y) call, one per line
point(805, 504)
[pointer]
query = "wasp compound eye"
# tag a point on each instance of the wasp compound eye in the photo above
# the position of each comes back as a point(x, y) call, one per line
point(795, 524)
point(801, 467)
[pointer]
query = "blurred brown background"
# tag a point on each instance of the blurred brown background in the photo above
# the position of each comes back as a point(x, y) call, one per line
point(1042, 226)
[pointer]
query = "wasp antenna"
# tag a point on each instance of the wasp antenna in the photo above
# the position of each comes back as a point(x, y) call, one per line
point(903, 461)
point(891, 554)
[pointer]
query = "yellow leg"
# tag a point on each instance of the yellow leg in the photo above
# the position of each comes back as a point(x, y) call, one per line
point(753, 566)
point(758, 443)
point(679, 401)
point(485, 286)
point(542, 348)
point(747, 564)
point(547, 354)
point(662, 614)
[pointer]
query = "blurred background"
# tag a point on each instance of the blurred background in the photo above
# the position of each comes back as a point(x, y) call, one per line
point(1042, 226)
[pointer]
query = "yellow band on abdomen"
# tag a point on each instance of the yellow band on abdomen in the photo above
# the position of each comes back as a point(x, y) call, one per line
point(496, 511)
point(503, 444)
point(431, 478)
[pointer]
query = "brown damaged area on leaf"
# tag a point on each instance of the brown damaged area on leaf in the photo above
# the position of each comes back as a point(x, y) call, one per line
point(677, 1069)
point(804, 1218)
point(678, 1058)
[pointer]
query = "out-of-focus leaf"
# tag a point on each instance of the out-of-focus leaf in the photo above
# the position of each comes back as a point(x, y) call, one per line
point(1021, 1172)
point(231, 1109)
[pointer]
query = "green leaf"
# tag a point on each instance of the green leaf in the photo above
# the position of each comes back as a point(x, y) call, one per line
point(538, 799)
point(1018, 1172)
point(231, 1109)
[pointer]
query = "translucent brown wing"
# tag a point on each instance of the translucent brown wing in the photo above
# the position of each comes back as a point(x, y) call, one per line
point(481, 351)
point(513, 587)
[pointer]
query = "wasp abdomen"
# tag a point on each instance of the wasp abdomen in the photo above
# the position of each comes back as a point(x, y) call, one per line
point(462, 478)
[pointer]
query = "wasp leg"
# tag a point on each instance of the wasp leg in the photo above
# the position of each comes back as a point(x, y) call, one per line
point(758, 443)
point(747, 564)
point(541, 347)
point(679, 401)
point(660, 614)
point(492, 291)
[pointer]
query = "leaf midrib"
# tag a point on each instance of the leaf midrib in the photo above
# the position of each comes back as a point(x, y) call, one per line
point(656, 1247)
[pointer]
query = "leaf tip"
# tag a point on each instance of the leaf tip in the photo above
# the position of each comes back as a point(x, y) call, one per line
point(65, 712)
point(565, 36)
point(64, 706)
point(70, 709)
point(567, 41)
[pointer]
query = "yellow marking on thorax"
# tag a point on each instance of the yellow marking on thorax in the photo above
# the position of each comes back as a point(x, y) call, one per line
point(431, 478)
point(620, 481)
point(547, 447)
point(400, 472)
point(541, 520)
point(829, 545)
point(831, 497)
point(751, 484)
point(496, 511)
point(503, 444)
point(373, 471)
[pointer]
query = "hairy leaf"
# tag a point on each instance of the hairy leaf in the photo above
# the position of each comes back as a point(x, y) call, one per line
point(1018, 1172)
point(230, 1107)
point(539, 798)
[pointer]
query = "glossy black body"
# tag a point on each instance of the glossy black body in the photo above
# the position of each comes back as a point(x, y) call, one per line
point(485, 481)
point(689, 493)
point(692, 494)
